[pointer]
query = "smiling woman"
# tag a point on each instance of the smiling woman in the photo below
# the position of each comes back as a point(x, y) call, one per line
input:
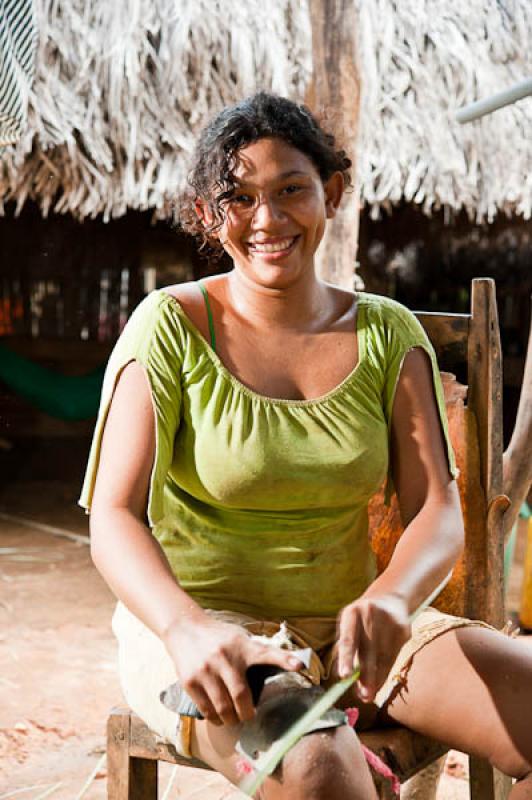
point(247, 422)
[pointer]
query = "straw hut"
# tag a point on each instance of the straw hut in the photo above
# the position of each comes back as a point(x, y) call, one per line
point(121, 89)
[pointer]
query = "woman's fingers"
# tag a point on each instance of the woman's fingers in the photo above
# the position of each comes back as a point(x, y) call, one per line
point(367, 658)
point(203, 702)
point(357, 646)
point(347, 641)
point(371, 632)
point(220, 699)
point(235, 678)
point(222, 693)
point(239, 692)
point(262, 654)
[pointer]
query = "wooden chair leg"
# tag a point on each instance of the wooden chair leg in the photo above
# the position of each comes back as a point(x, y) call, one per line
point(487, 783)
point(142, 779)
point(128, 778)
point(118, 754)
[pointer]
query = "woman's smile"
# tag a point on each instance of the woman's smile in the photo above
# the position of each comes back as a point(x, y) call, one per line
point(273, 249)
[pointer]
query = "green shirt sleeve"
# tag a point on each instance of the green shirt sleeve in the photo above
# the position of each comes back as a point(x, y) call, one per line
point(403, 332)
point(152, 338)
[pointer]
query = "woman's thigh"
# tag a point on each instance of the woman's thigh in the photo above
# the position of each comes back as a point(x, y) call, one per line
point(471, 688)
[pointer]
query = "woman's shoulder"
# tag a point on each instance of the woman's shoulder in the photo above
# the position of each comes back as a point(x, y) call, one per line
point(166, 305)
point(153, 329)
point(186, 294)
point(377, 303)
point(386, 311)
point(190, 301)
point(390, 328)
point(383, 304)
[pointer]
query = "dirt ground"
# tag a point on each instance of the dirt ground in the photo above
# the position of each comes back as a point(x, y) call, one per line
point(57, 659)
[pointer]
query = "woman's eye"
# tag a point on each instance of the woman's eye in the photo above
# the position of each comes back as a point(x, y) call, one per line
point(291, 189)
point(241, 199)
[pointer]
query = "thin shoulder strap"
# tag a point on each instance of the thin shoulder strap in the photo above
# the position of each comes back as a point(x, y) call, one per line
point(209, 314)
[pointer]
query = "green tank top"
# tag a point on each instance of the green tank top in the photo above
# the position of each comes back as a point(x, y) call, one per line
point(261, 504)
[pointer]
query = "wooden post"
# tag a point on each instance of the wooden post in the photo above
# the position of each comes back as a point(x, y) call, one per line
point(118, 754)
point(486, 782)
point(485, 383)
point(335, 92)
point(127, 778)
point(485, 400)
point(517, 459)
point(486, 585)
point(143, 779)
point(424, 784)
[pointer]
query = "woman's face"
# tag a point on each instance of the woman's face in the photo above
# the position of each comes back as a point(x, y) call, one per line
point(276, 217)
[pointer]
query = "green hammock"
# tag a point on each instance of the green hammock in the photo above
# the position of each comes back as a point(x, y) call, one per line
point(68, 397)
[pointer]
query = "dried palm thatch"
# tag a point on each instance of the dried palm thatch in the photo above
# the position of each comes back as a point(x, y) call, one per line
point(121, 89)
point(419, 61)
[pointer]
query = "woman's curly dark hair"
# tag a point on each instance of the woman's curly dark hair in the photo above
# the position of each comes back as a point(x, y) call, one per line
point(257, 117)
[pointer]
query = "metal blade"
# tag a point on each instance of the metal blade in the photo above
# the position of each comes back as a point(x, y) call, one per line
point(274, 756)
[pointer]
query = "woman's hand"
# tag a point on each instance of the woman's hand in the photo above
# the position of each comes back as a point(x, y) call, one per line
point(211, 659)
point(372, 630)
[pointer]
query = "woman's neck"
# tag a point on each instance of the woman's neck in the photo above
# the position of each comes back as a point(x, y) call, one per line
point(303, 305)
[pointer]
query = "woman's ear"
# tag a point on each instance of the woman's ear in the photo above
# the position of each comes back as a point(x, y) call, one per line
point(334, 190)
point(204, 212)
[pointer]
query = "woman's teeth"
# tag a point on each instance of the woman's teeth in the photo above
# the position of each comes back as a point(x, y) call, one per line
point(272, 248)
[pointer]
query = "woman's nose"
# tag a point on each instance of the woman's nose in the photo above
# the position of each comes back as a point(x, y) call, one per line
point(266, 211)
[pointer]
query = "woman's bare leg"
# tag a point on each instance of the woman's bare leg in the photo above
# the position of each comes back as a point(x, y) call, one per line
point(471, 688)
point(325, 765)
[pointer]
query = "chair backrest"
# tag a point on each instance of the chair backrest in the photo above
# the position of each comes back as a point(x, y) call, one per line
point(467, 345)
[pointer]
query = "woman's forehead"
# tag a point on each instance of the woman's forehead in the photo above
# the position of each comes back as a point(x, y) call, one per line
point(271, 159)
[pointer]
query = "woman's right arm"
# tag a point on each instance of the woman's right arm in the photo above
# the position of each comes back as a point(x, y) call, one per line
point(210, 657)
point(122, 547)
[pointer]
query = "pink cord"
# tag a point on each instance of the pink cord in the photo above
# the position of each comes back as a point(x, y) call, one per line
point(376, 763)
point(243, 767)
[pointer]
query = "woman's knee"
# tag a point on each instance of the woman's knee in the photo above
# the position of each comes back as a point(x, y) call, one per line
point(326, 765)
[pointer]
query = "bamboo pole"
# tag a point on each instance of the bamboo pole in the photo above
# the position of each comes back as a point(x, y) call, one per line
point(505, 98)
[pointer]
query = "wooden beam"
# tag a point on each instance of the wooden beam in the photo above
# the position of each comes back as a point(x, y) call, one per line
point(144, 744)
point(450, 329)
point(335, 93)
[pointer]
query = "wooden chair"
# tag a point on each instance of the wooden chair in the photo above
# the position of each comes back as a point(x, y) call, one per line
point(468, 345)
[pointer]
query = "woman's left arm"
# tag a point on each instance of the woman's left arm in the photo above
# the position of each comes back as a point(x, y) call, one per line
point(374, 627)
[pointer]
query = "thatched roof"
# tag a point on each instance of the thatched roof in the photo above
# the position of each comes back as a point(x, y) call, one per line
point(422, 59)
point(121, 88)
